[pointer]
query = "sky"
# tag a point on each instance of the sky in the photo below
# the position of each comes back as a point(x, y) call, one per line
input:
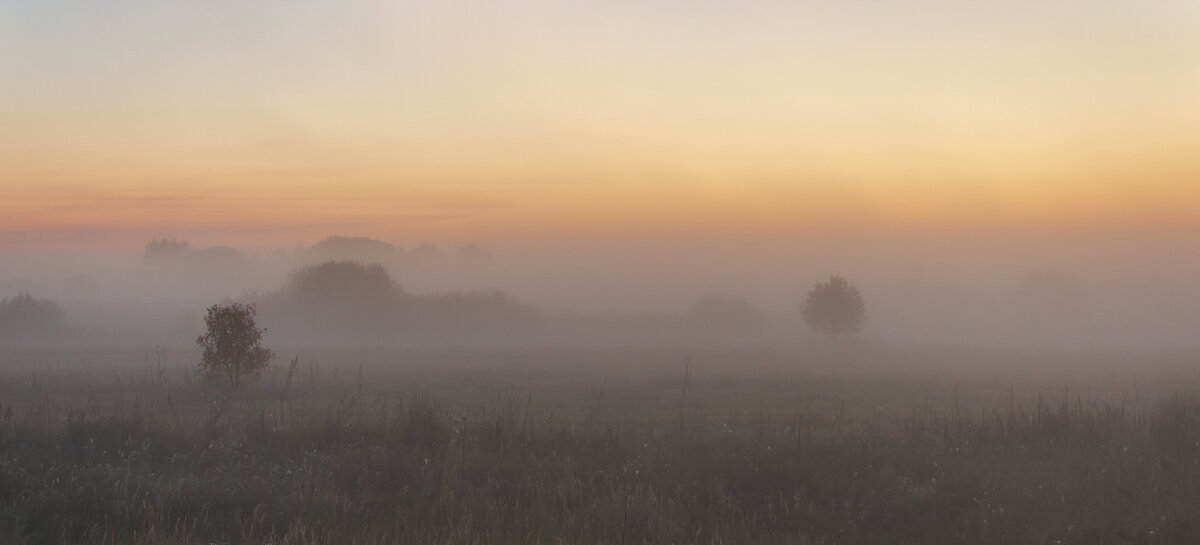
point(274, 122)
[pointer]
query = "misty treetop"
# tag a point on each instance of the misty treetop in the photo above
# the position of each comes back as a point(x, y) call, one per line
point(341, 281)
point(341, 248)
point(370, 250)
point(165, 249)
point(349, 301)
point(834, 307)
point(27, 316)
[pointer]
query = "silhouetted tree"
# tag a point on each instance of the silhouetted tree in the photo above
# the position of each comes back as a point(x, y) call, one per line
point(215, 264)
point(334, 281)
point(26, 316)
point(232, 344)
point(834, 308)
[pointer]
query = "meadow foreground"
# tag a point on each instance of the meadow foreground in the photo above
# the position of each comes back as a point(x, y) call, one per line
point(612, 446)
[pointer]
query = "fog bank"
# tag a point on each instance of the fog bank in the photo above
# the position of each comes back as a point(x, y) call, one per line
point(1078, 291)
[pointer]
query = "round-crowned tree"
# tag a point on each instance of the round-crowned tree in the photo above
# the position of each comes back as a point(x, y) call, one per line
point(834, 308)
point(345, 281)
point(232, 344)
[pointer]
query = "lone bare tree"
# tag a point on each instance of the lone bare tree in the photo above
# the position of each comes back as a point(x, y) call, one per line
point(232, 344)
point(834, 308)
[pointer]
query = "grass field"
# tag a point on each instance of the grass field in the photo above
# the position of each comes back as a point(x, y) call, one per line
point(797, 445)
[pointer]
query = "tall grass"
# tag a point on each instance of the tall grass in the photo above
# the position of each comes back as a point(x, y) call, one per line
point(342, 463)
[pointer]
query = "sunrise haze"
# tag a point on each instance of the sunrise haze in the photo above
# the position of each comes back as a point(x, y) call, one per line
point(273, 122)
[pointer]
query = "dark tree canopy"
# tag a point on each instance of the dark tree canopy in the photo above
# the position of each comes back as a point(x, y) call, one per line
point(834, 307)
point(211, 264)
point(341, 281)
point(29, 316)
point(232, 344)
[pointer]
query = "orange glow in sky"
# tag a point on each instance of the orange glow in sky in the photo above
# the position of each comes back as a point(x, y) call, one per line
point(281, 122)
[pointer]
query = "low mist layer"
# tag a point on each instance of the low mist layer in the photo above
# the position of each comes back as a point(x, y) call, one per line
point(1069, 292)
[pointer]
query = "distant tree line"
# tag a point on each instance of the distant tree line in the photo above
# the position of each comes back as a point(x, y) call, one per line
point(331, 248)
point(354, 301)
